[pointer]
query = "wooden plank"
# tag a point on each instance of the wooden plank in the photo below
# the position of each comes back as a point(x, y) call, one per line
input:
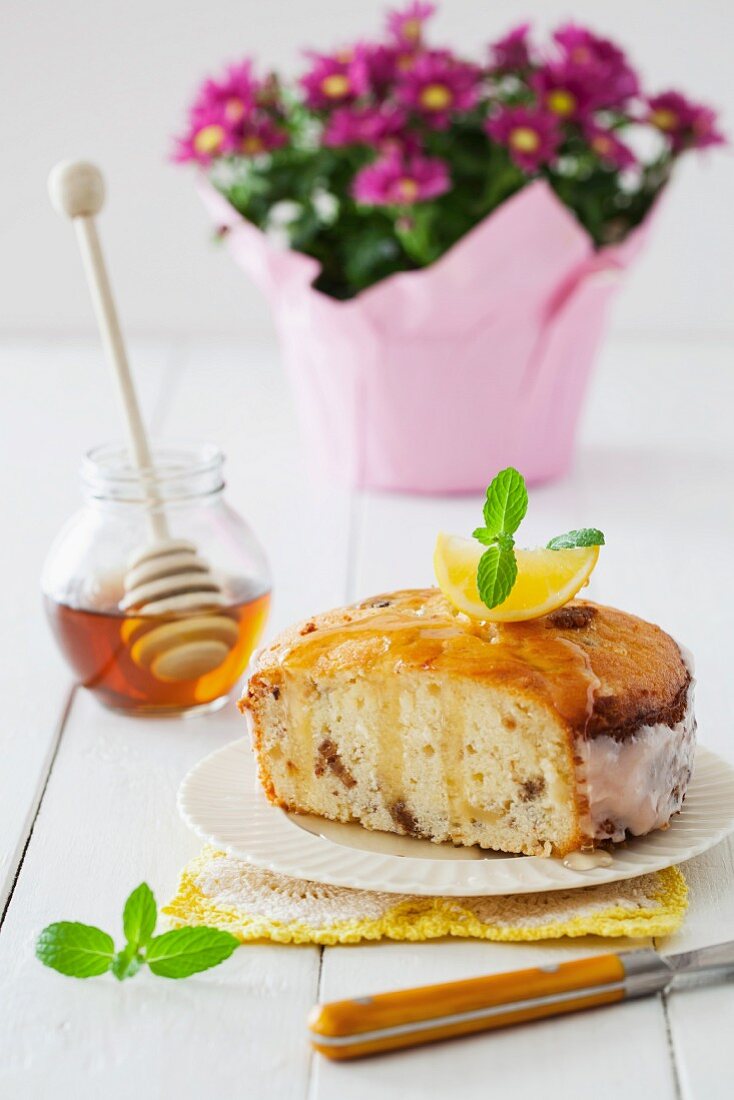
point(658, 459)
point(236, 397)
point(621, 1050)
point(648, 499)
point(58, 404)
point(355, 971)
point(702, 1020)
point(108, 820)
point(655, 473)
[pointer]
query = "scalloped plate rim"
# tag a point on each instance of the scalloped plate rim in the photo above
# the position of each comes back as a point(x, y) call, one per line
point(265, 836)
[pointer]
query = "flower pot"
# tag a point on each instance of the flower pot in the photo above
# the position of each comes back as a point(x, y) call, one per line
point(432, 380)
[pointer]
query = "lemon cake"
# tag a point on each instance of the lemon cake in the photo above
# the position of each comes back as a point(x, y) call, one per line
point(537, 737)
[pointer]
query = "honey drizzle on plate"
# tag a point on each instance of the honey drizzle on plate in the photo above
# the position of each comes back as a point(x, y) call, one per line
point(587, 860)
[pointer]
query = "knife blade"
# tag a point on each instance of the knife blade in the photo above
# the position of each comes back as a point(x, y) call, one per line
point(391, 1021)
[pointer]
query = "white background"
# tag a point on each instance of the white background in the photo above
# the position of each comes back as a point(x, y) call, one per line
point(110, 81)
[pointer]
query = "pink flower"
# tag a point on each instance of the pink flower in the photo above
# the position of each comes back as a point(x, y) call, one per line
point(608, 147)
point(234, 96)
point(688, 125)
point(228, 117)
point(260, 136)
point(602, 66)
point(531, 135)
point(363, 125)
point(397, 180)
point(562, 91)
point(210, 135)
point(380, 64)
point(438, 85)
point(406, 26)
point(511, 52)
point(335, 79)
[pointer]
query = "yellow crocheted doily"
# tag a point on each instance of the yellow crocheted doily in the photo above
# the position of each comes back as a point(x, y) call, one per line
point(255, 904)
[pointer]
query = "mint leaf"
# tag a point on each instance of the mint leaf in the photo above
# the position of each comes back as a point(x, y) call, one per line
point(505, 542)
point(139, 916)
point(496, 574)
point(126, 963)
point(483, 535)
point(585, 536)
point(79, 950)
point(504, 511)
point(506, 503)
point(186, 951)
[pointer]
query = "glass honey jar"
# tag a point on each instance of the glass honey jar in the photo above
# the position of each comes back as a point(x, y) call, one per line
point(183, 648)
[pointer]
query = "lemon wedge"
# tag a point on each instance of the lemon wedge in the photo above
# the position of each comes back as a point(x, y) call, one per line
point(546, 579)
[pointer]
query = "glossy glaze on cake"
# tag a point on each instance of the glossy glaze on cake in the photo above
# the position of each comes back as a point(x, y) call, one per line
point(535, 737)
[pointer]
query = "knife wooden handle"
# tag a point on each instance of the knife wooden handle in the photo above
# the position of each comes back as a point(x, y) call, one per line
point(390, 1021)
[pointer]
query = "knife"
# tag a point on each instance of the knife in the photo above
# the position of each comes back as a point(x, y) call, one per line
point(391, 1021)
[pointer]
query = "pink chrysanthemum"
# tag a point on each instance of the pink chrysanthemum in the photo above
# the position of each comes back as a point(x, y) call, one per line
point(234, 96)
point(260, 136)
point(511, 52)
point(563, 92)
point(397, 180)
point(531, 136)
point(608, 147)
point(604, 69)
point(335, 79)
point(228, 116)
point(363, 125)
point(210, 135)
point(380, 65)
point(686, 124)
point(406, 25)
point(438, 86)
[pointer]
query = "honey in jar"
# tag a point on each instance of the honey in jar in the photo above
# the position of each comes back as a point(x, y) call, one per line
point(172, 662)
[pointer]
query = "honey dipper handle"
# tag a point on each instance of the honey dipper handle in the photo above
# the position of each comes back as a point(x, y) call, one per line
point(77, 190)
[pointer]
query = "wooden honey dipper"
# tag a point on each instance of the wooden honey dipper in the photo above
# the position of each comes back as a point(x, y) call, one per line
point(167, 576)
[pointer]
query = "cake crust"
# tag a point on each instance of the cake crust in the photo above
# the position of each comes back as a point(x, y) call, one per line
point(641, 677)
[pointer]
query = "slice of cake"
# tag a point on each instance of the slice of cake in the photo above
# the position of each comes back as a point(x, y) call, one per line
point(539, 737)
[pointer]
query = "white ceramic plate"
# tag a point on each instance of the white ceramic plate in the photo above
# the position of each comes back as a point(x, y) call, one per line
point(221, 800)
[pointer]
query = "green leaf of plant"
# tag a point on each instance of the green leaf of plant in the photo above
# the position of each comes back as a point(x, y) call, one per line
point(139, 916)
point(496, 574)
point(585, 536)
point(484, 535)
point(506, 503)
point(126, 963)
point(79, 950)
point(186, 951)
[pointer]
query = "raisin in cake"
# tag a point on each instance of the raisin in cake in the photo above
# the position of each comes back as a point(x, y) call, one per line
point(537, 737)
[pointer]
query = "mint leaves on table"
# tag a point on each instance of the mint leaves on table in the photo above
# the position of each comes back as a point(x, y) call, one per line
point(83, 951)
point(504, 511)
point(139, 916)
point(185, 951)
point(78, 950)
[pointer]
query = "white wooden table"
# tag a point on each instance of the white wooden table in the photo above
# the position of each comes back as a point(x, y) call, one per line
point(87, 798)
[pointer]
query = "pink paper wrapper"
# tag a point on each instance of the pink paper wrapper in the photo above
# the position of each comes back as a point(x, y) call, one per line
point(432, 380)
